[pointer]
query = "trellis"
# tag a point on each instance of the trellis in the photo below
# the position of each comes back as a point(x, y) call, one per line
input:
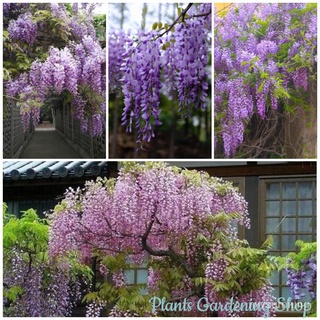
point(69, 128)
point(14, 138)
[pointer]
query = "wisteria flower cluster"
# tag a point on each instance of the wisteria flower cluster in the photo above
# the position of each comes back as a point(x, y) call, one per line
point(141, 87)
point(172, 60)
point(79, 68)
point(301, 269)
point(33, 285)
point(265, 55)
point(304, 278)
point(191, 59)
point(119, 42)
point(45, 291)
point(172, 218)
point(154, 196)
point(23, 29)
point(94, 309)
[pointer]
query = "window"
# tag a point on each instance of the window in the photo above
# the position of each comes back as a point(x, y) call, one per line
point(137, 275)
point(288, 208)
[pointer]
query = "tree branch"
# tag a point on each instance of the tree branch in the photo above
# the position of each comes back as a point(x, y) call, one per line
point(181, 16)
point(165, 253)
point(202, 15)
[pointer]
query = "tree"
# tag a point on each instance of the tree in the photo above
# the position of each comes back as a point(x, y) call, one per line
point(35, 286)
point(179, 223)
point(265, 63)
point(52, 50)
point(170, 60)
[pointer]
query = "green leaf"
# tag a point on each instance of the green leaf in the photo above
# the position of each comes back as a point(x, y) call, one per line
point(261, 86)
point(268, 243)
point(199, 281)
point(89, 297)
point(221, 286)
point(280, 92)
point(29, 216)
point(201, 238)
point(13, 293)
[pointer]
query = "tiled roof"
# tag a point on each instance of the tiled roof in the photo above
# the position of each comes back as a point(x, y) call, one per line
point(18, 170)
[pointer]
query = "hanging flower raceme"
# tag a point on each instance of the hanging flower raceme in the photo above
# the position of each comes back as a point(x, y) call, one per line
point(23, 29)
point(171, 60)
point(271, 55)
point(113, 218)
point(118, 42)
point(76, 72)
point(141, 87)
point(191, 57)
point(169, 220)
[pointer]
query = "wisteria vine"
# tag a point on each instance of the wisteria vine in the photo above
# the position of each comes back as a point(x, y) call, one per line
point(33, 285)
point(265, 56)
point(177, 222)
point(169, 59)
point(72, 69)
point(304, 278)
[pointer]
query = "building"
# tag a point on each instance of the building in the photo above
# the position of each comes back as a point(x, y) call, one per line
point(41, 184)
point(282, 202)
point(281, 197)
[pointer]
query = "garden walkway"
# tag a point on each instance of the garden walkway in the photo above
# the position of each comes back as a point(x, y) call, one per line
point(47, 143)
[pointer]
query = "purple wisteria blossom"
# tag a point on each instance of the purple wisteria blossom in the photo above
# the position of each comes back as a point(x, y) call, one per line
point(23, 29)
point(173, 62)
point(262, 57)
point(76, 71)
point(141, 87)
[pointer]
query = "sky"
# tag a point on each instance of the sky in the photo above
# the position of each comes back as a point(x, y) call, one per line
point(133, 15)
point(102, 9)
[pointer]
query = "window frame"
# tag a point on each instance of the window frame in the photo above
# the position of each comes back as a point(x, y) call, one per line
point(262, 192)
